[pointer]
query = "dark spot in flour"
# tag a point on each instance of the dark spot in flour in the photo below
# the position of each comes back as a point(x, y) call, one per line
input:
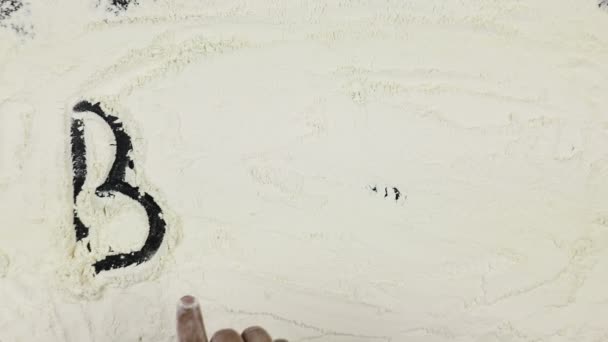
point(9, 11)
point(119, 5)
point(392, 191)
point(123, 4)
point(8, 7)
point(397, 193)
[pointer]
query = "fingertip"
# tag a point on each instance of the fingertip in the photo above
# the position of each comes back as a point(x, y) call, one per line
point(187, 302)
point(190, 327)
point(256, 334)
point(226, 335)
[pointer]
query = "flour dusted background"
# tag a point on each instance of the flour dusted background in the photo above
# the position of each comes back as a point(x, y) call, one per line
point(273, 134)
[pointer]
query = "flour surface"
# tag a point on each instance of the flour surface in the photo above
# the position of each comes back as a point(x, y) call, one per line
point(407, 170)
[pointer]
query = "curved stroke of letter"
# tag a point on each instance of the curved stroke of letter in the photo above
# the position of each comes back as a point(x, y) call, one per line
point(114, 183)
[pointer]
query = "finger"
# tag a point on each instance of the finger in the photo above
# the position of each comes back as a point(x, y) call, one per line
point(256, 334)
point(190, 326)
point(226, 335)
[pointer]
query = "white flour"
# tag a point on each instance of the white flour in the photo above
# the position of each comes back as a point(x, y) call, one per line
point(333, 171)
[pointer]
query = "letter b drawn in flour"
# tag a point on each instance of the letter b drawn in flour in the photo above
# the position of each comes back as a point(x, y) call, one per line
point(114, 183)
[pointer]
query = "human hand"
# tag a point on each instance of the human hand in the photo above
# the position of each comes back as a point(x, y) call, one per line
point(190, 327)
